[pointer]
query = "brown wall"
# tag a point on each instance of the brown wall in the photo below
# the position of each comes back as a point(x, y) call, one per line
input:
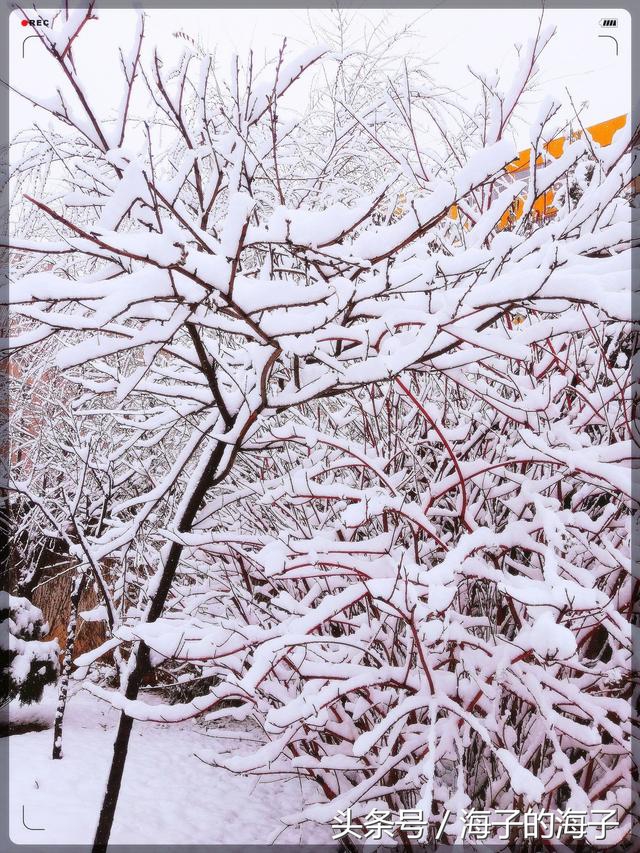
point(53, 598)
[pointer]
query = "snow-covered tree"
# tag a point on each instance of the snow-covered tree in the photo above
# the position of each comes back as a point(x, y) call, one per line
point(347, 444)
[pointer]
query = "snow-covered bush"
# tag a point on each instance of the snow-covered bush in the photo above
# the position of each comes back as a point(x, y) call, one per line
point(28, 662)
point(314, 454)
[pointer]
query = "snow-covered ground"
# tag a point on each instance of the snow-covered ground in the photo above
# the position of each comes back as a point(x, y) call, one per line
point(169, 796)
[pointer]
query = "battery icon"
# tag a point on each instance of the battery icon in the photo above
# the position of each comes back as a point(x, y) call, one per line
point(608, 22)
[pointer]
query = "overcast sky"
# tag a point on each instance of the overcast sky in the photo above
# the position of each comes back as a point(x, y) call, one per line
point(449, 40)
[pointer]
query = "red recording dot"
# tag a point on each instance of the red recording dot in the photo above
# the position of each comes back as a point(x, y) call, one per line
point(24, 23)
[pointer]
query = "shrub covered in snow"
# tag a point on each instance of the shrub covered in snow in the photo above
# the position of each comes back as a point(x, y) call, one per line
point(28, 662)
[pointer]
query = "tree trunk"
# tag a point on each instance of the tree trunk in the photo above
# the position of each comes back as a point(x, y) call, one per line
point(120, 750)
point(76, 592)
point(142, 664)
